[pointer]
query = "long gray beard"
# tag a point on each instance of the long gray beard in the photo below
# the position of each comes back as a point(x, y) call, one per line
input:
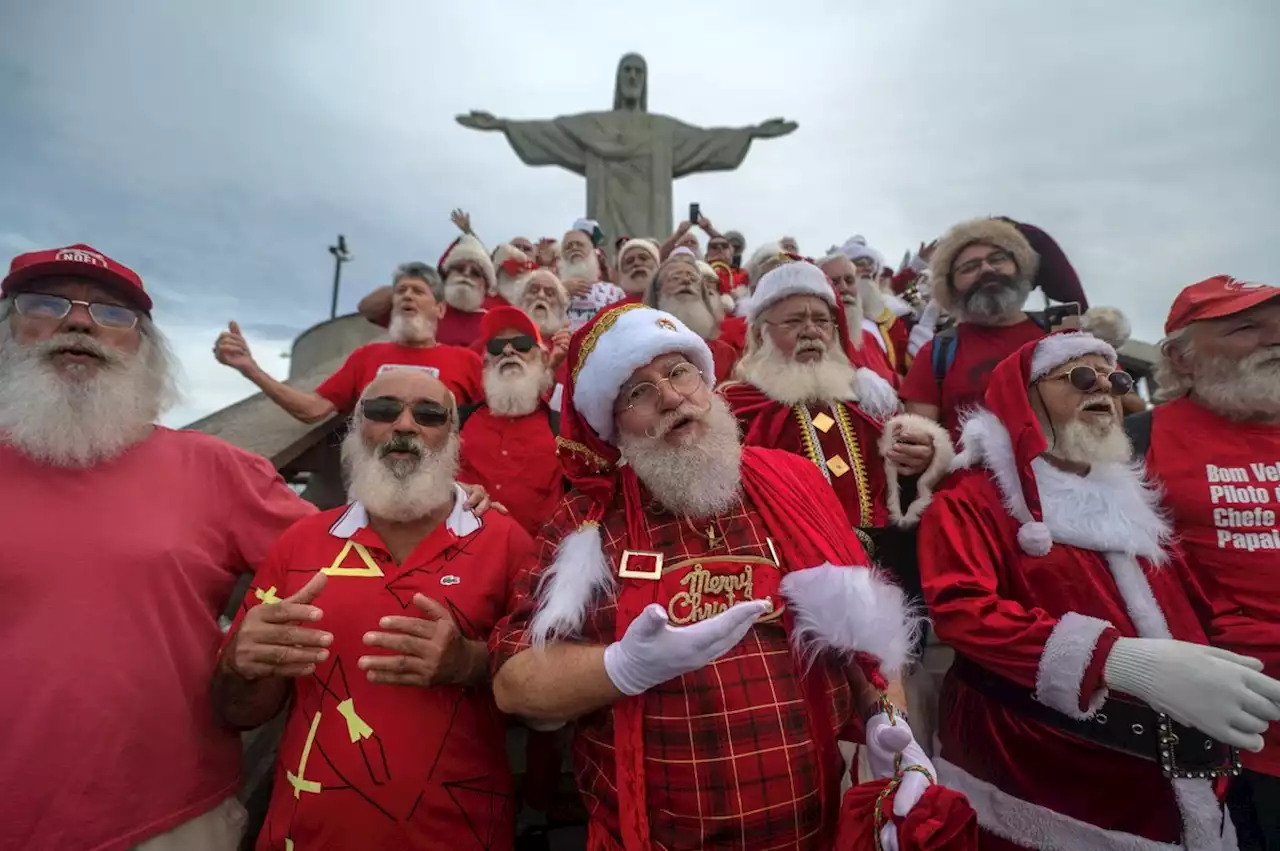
point(462, 294)
point(871, 298)
point(79, 421)
point(853, 318)
point(396, 490)
point(1244, 389)
point(517, 394)
point(412, 328)
point(586, 270)
point(1085, 444)
point(549, 319)
point(694, 312)
point(990, 306)
point(702, 479)
point(792, 383)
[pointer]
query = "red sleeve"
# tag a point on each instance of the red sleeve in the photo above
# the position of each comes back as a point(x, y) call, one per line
point(341, 388)
point(259, 506)
point(921, 385)
point(1060, 659)
point(268, 585)
point(471, 377)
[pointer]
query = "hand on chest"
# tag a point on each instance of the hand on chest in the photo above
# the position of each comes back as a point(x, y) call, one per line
point(697, 588)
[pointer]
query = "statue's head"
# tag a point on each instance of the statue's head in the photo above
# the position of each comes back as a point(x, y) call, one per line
point(632, 88)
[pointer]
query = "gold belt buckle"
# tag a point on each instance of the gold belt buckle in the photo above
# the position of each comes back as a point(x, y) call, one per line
point(647, 565)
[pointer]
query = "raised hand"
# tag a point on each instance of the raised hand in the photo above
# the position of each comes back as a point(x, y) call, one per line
point(461, 220)
point(652, 651)
point(773, 128)
point(576, 287)
point(559, 348)
point(231, 349)
point(272, 641)
point(428, 650)
point(478, 120)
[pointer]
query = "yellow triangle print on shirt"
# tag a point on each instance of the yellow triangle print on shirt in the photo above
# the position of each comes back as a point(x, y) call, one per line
point(370, 566)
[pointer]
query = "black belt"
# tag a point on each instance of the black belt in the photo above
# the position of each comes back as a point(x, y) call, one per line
point(1119, 725)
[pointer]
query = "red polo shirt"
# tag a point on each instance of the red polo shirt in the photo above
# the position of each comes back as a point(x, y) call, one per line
point(514, 458)
point(459, 369)
point(459, 327)
point(364, 765)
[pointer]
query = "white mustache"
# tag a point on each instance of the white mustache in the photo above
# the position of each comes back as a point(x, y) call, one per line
point(811, 345)
point(61, 342)
point(685, 411)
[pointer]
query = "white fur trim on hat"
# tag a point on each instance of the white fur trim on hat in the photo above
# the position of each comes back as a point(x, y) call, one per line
point(469, 248)
point(1057, 349)
point(647, 245)
point(704, 268)
point(785, 281)
point(506, 251)
point(763, 259)
point(636, 337)
point(995, 232)
point(856, 248)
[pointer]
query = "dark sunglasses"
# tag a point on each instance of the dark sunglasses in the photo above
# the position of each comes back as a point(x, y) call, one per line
point(1085, 379)
point(521, 344)
point(55, 307)
point(387, 409)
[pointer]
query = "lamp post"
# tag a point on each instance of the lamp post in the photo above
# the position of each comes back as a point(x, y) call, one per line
point(340, 255)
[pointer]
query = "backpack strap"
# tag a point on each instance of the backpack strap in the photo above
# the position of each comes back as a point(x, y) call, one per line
point(1138, 428)
point(944, 352)
point(1041, 321)
point(465, 412)
point(553, 417)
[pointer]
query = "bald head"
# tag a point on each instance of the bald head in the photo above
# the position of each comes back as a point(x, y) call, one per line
point(418, 402)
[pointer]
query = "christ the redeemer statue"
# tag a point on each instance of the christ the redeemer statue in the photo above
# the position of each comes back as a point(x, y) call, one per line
point(629, 155)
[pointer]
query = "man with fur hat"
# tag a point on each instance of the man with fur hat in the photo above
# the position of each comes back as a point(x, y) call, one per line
point(1214, 447)
point(509, 440)
point(982, 272)
point(703, 611)
point(678, 289)
point(1085, 708)
point(582, 269)
point(638, 262)
point(799, 392)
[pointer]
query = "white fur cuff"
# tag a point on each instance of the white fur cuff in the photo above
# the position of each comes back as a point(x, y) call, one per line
point(1063, 662)
point(851, 610)
point(943, 455)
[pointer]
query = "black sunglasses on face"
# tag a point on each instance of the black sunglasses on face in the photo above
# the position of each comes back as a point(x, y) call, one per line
point(521, 344)
point(387, 409)
point(1085, 379)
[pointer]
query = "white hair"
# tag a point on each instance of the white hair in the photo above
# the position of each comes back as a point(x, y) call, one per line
point(1171, 383)
point(1243, 389)
point(79, 418)
point(699, 478)
point(791, 382)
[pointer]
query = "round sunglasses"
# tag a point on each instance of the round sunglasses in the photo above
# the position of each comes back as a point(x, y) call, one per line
point(521, 344)
point(1086, 378)
point(387, 409)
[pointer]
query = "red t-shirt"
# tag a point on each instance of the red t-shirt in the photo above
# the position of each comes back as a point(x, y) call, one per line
point(514, 458)
point(365, 765)
point(459, 327)
point(112, 579)
point(1221, 482)
point(459, 369)
point(978, 349)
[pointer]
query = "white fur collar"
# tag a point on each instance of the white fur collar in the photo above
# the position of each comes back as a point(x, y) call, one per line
point(1113, 509)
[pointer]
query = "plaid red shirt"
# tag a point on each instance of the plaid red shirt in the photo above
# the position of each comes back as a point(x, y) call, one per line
point(729, 759)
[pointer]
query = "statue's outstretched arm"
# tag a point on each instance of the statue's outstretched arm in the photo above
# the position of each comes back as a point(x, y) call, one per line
point(535, 142)
point(479, 120)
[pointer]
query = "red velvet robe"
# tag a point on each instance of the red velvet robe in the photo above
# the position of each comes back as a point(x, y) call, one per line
point(1048, 623)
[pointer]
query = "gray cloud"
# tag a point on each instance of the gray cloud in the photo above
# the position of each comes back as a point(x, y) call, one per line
point(219, 148)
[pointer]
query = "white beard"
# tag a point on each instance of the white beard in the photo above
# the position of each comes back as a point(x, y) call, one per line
point(400, 491)
point(692, 309)
point(701, 479)
point(792, 383)
point(515, 394)
point(637, 283)
point(1087, 443)
point(410, 329)
point(872, 300)
point(81, 419)
point(587, 269)
point(462, 293)
point(510, 288)
point(1243, 389)
point(549, 317)
point(853, 318)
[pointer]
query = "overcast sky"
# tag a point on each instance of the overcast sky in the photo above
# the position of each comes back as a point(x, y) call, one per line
point(218, 148)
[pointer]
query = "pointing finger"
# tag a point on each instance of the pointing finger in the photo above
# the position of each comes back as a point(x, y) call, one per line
point(311, 590)
point(431, 608)
point(286, 612)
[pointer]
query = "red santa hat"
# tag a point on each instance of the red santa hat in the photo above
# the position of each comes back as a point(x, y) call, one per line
point(1006, 399)
point(467, 247)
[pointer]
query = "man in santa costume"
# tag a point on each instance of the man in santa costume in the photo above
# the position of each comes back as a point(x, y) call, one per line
point(799, 392)
point(638, 263)
point(678, 289)
point(703, 611)
point(582, 269)
point(886, 317)
point(546, 302)
point(511, 268)
point(468, 275)
point(1214, 447)
point(1085, 708)
point(868, 346)
point(720, 257)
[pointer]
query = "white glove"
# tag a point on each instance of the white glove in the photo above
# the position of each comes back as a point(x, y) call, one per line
point(923, 330)
point(885, 740)
point(1219, 693)
point(653, 651)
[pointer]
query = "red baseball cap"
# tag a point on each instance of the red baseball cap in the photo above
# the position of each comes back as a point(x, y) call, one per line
point(1214, 298)
point(81, 261)
point(501, 318)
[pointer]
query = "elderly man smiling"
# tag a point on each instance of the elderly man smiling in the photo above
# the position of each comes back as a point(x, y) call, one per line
point(122, 543)
point(373, 619)
point(670, 591)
